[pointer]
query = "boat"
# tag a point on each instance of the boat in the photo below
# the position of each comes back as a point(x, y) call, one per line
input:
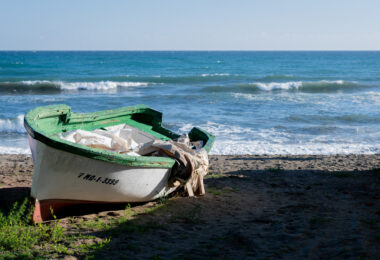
point(67, 173)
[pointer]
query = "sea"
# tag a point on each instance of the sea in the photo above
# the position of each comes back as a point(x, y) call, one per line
point(254, 102)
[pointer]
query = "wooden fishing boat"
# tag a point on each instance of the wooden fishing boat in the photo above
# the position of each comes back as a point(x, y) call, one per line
point(66, 173)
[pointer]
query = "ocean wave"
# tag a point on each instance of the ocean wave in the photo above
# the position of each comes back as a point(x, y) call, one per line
point(101, 85)
point(238, 140)
point(278, 85)
point(111, 84)
point(52, 87)
point(12, 125)
point(322, 86)
point(21, 87)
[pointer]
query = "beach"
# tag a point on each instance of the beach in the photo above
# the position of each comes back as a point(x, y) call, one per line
point(276, 189)
point(255, 207)
point(111, 114)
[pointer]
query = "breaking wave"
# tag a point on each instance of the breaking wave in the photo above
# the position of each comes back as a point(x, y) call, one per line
point(46, 86)
point(275, 86)
point(113, 83)
point(215, 83)
point(237, 140)
point(12, 125)
point(307, 86)
point(322, 86)
point(102, 85)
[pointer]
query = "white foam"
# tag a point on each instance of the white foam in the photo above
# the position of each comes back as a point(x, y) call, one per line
point(222, 130)
point(34, 82)
point(294, 84)
point(99, 85)
point(368, 97)
point(300, 98)
point(339, 82)
point(253, 97)
point(14, 150)
point(228, 147)
point(278, 85)
point(15, 125)
point(237, 140)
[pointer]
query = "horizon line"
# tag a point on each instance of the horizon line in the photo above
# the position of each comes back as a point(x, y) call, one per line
point(185, 50)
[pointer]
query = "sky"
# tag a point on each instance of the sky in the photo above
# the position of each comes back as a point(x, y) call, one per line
point(189, 25)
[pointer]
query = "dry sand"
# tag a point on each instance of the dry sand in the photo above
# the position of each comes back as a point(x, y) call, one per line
point(256, 207)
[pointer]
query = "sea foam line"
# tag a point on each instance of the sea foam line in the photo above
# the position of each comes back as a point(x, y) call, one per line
point(232, 147)
point(99, 85)
point(295, 84)
point(238, 140)
point(14, 150)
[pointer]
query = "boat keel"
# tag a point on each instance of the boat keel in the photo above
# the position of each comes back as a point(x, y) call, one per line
point(46, 209)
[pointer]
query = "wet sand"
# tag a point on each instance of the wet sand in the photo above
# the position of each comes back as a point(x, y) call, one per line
point(255, 207)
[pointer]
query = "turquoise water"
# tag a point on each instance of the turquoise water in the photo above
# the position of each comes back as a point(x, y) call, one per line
point(254, 102)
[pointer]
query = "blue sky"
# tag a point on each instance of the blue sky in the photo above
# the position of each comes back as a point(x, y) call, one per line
point(190, 25)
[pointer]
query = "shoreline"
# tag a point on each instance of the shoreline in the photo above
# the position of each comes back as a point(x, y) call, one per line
point(256, 206)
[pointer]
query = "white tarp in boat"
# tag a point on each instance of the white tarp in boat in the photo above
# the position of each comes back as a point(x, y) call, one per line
point(119, 138)
point(192, 160)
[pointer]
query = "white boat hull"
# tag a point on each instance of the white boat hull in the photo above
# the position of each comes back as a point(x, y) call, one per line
point(60, 175)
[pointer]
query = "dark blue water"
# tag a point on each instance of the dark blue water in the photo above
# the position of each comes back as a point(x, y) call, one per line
point(254, 102)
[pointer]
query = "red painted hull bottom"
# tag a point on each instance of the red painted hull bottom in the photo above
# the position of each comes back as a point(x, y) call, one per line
point(45, 209)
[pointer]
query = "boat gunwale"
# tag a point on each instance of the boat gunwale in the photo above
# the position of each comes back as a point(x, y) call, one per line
point(55, 141)
point(72, 121)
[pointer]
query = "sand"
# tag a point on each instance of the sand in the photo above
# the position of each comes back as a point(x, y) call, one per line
point(255, 207)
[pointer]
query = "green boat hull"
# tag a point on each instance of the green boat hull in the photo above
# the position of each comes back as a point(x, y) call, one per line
point(45, 124)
